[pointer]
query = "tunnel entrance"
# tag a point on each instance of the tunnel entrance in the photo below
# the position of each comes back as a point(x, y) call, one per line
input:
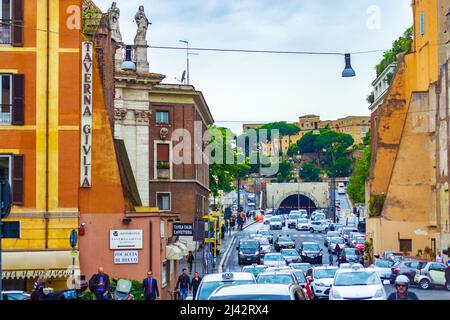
point(297, 202)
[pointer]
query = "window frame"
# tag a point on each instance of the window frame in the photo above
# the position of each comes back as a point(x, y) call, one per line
point(9, 157)
point(10, 97)
point(170, 200)
point(422, 23)
point(10, 27)
point(160, 112)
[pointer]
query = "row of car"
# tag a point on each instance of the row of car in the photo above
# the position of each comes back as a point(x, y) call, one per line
point(296, 282)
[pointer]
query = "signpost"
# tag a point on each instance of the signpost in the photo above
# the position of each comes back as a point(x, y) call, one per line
point(73, 238)
point(182, 229)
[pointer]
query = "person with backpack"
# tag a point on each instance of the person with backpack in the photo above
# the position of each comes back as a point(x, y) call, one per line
point(183, 285)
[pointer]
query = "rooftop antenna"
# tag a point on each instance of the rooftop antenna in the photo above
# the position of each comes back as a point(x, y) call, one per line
point(183, 77)
point(187, 60)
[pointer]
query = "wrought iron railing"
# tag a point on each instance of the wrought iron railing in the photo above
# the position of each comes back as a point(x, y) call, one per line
point(5, 113)
point(5, 31)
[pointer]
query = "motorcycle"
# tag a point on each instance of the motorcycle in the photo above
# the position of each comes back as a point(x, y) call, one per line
point(45, 293)
point(123, 290)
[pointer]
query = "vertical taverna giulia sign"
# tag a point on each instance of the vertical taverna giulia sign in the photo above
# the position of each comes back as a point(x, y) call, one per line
point(86, 115)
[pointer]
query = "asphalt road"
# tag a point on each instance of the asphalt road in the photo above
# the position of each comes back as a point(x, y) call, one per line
point(231, 263)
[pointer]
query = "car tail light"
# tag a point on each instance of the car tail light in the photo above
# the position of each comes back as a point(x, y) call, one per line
point(311, 280)
point(396, 270)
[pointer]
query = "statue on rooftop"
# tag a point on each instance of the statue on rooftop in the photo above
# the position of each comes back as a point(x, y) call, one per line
point(114, 15)
point(142, 23)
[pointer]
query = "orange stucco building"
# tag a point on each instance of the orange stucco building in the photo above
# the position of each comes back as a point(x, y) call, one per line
point(408, 186)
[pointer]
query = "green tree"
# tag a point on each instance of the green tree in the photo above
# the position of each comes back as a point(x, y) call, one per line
point(356, 188)
point(306, 143)
point(402, 44)
point(293, 150)
point(310, 173)
point(284, 172)
point(341, 168)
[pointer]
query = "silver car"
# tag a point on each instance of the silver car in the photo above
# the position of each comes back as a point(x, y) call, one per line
point(262, 292)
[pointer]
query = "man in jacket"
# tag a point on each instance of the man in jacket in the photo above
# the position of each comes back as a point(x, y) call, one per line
point(190, 260)
point(447, 276)
point(149, 290)
point(99, 285)
point(183, 284)
point(195, 284)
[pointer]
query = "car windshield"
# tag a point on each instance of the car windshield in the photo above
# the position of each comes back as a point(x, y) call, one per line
point(248, 244)
point(269, 216)
point(311, 247)
point(351, 251)
point(263, 241)
point(383, 263)
point(360, 241)
point(303, 267)
point(284, 239)
point(332, 234)
point(273, 257)
point(207, 288)
point(356, 279)
point(325, 273)
point(264, 233)
point(254, 270)
point(275, 278)
point(259, 297)
point(303, 221)
point(275, 219)
point(289, 253)
point(294, 216)
point(300, 276)
point(337, 240)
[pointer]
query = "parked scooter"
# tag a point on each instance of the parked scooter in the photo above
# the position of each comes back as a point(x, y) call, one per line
point(123, 290)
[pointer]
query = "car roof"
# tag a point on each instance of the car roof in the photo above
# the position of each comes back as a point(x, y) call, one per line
point(350, 270)
point(309, 243)
point(325, 268)
point(257, 289)
point(273, 254)
point(274, 273)
point(254, 266)
point(236, 276)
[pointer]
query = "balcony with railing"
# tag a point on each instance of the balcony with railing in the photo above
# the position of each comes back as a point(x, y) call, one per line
point(5, 31)
point(5, 114)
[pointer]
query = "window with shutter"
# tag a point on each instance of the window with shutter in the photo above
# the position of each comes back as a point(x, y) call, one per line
point(18, 104)
point(5, 98)
point(17, 23)
point(18, 179)
point(163, 156)
point(5, 21)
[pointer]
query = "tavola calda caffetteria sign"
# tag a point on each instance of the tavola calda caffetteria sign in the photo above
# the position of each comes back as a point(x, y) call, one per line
point(86, 115)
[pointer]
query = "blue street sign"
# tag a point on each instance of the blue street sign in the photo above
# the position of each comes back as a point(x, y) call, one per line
point(73, 238)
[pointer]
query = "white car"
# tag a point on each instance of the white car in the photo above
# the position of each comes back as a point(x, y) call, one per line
point(321, 279)
point(276, 223)
point(383, 268)
point(211, 282)
point(264, 244)
point(267, 218)
point(318, 226)
point(303, 224)
point(330, 234)
point(292, 219)
point(357, 284)
point(274, 260)
point(260, 292)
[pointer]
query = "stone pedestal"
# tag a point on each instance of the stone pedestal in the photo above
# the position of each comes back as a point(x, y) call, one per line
point(140, 56)
point(118, 58)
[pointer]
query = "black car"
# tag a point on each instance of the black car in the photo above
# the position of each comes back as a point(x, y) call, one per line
point(249, 252)
point(352, 255)
point(311, 252)
point(284, 242)
point(407, 268)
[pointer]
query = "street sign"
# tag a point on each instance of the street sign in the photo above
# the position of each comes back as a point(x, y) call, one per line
point(5, 199)
point(125, 239)
point(73, 238)
point(10, 230)
point(183, 229)
point(126, 257)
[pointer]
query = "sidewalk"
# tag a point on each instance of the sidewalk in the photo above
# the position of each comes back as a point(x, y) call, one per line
point(198, 266)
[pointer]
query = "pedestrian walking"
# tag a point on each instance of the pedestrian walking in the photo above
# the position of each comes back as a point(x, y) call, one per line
point(440, 257)
point(190, 260)
point(149, 290)
point(222, 231)
point(330, 257)
point(99, 284)
point(183, 284)
point(195, 283)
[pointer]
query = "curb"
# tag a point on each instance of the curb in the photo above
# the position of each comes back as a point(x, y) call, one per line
point(227, 252)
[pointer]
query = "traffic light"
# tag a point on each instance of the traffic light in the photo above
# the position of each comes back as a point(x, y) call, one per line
point(5, 199)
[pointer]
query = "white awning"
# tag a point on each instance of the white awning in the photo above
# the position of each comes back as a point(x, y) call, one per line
point(32, 264)
point(182, 247)
point(173, 253)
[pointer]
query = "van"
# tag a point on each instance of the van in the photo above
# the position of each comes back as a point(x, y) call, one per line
point(341, 188)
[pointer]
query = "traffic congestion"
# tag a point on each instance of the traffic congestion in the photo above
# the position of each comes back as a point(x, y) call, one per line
point(307, 256)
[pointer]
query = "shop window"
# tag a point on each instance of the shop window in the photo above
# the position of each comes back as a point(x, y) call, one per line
point(162, 117)
point(405, 245)
point(163, 201)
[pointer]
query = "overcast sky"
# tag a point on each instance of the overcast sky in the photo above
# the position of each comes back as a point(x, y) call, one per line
point(262, 87)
